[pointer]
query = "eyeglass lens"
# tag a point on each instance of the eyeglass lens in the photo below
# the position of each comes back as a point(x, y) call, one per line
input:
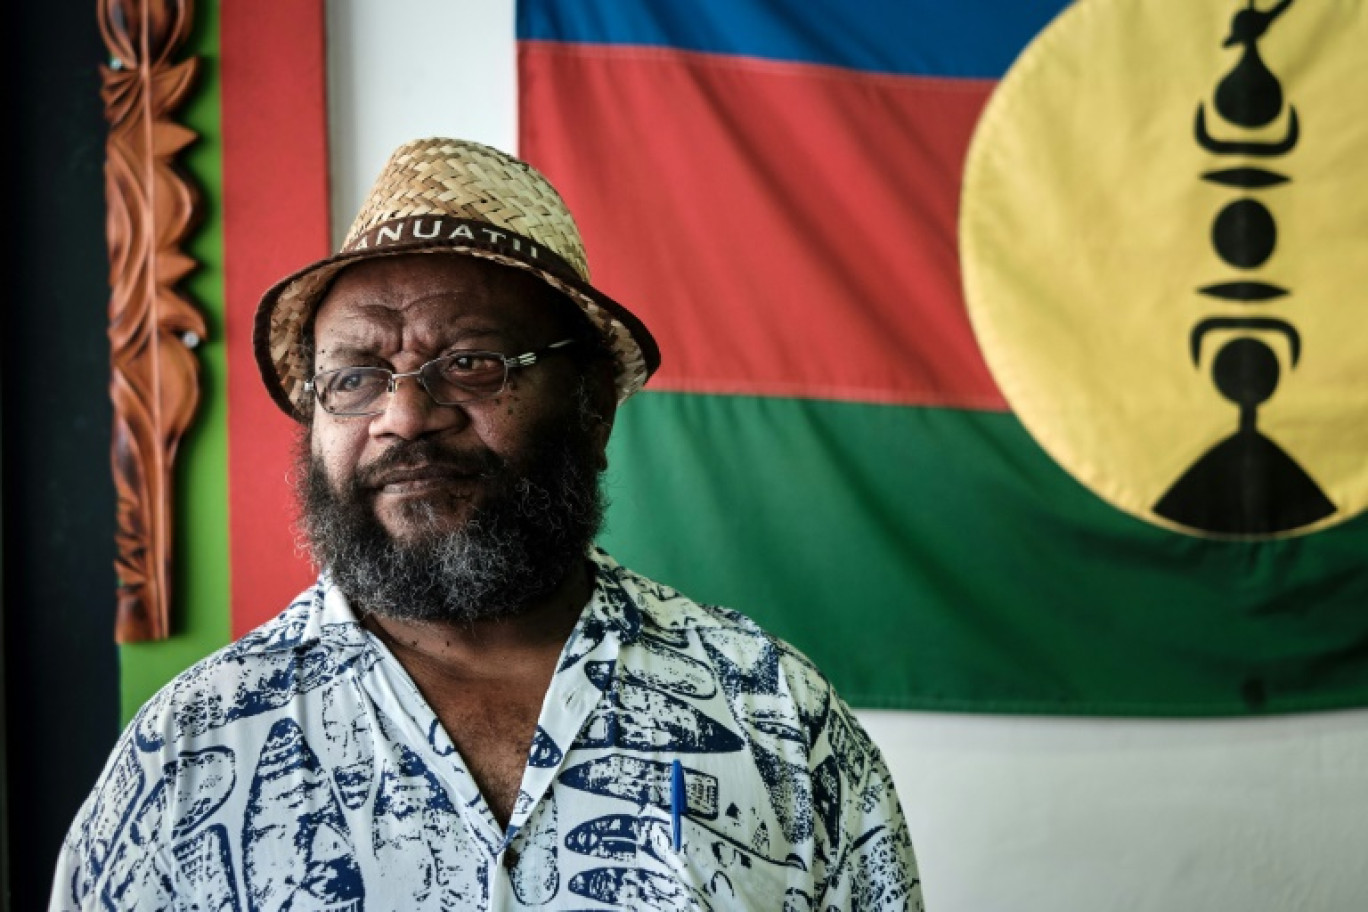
point(459, 377)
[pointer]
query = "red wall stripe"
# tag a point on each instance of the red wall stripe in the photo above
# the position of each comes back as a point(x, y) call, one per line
point(784, 229)
point(275, 219)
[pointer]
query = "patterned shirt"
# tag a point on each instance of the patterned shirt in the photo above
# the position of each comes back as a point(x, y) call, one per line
point(299, 768)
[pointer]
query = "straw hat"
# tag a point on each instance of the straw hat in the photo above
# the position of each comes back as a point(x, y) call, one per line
point(451, 196)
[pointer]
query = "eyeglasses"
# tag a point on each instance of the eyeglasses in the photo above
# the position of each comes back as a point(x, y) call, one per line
point(462, 376)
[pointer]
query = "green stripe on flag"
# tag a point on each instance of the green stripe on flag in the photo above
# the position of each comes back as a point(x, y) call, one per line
point(200, 579)
point(939, 559)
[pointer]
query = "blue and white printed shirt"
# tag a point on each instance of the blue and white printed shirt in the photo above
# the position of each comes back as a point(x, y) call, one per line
point(300, 769)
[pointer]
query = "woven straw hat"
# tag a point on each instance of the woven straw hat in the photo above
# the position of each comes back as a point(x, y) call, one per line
point(450, 196)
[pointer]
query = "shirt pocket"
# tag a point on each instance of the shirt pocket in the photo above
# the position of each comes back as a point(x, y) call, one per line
point(717, 872)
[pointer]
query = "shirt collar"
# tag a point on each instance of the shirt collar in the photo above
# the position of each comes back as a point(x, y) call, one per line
point(620, 605)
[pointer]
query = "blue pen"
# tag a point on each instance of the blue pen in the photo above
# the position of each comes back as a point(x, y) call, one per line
point(676, 802)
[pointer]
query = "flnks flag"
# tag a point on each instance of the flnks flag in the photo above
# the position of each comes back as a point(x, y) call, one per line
point(1011, 352)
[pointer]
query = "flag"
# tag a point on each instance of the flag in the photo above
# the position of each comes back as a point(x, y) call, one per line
point(998, 494)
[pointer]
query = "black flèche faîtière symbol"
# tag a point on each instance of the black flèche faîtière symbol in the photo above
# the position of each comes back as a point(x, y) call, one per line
point(1246, 484)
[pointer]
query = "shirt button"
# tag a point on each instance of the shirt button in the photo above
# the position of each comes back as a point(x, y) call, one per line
point(511, 858)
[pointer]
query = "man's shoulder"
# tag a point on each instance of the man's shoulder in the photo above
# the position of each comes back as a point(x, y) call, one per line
point(294, 653)
point(739, 647)
point(665, 608)
point(779, 695)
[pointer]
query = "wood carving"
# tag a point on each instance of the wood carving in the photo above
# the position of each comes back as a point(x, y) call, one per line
point(154, 380)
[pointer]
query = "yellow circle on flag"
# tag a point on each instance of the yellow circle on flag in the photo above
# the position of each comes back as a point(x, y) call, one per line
point(1164, 244)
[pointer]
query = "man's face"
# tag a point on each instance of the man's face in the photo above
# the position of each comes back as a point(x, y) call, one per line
point(500, 492)
point(401, 312)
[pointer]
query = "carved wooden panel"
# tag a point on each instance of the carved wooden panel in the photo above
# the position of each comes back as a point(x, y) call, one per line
point(154, 380)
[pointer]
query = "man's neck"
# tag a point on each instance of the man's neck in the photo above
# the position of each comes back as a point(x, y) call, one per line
point(503, 647)
point(486, 681)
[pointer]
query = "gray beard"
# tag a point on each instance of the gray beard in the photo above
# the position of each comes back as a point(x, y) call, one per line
point(515, 548)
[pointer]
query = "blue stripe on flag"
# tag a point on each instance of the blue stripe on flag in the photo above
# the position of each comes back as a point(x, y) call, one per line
point(956, 38)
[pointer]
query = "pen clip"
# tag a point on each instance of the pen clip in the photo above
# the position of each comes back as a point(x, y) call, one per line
point(677, 803)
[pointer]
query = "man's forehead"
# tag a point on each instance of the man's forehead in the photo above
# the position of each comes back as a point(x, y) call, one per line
point(393, 281)
point(464, 292)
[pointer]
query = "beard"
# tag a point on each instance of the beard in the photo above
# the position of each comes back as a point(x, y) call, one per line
point(516, 546)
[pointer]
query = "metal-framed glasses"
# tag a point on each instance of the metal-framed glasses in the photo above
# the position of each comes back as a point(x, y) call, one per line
point(453, 379)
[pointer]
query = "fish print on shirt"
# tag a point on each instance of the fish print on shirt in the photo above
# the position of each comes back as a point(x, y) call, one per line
point(535, 875)
point(133, 875)
point(206, 869)
point(296, 843)
point(545, 753)
point(111, 809)
point(613, 837)
point(199, 701)
point(637, 888)
point(349, 738)
point(850, 747)
point(618, 615)
point(201, 783)
point(643, 782)
point(645, 718)
point(709, 849)
point(619, 837)
point(672, 672)
point(300, 769)
point(718, 872)
point(421, 849)
point(826, 800)
point(877, 878)
point(779, 736)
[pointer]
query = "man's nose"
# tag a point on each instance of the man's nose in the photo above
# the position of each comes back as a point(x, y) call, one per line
point(411, 413)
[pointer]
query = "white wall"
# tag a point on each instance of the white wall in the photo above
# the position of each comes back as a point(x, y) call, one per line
point(1068, 815)
point(406, 69)
point(1008, 813)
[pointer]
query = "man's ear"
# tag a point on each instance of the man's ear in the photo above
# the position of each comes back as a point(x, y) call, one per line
point(602, 392)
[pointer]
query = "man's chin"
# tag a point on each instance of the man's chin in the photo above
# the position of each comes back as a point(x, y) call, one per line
point(474, 546)
point(410, 518)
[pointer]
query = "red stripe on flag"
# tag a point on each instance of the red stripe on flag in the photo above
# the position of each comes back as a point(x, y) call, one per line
point(784, 229)
point(275, 219)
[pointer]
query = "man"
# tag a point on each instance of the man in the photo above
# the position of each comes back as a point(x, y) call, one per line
point(473, 708)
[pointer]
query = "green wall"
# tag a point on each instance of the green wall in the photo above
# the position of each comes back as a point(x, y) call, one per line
point(201, 620)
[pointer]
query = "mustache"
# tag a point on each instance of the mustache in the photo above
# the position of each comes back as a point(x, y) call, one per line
point(427, 454)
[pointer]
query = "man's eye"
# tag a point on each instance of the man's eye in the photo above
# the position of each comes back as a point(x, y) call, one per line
point(349, 381)
point(473, 363)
